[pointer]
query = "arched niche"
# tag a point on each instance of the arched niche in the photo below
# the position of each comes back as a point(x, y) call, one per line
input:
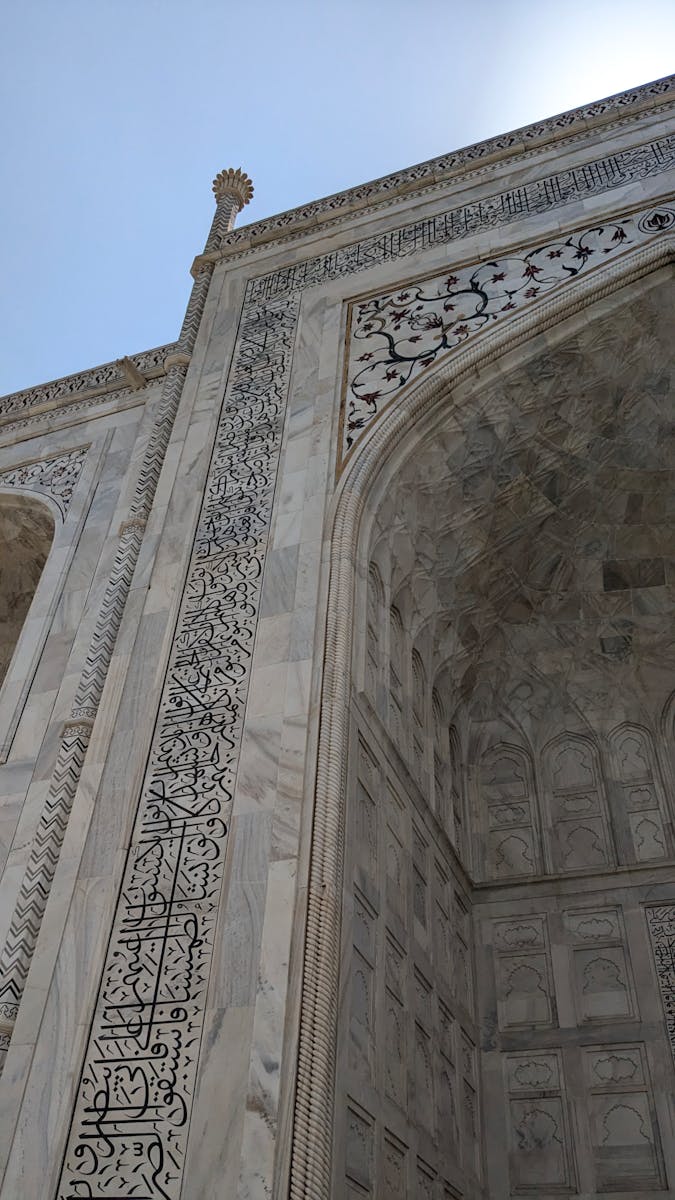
point(528, 532)
point(640, 795)
point(26, 534)
point(514, 518)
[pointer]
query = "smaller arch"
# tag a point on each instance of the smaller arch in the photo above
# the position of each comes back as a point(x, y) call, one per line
point(581, 836)
point(27, 529)
point(396, 639)
point(643, 815)
point(507, 811)
point(438, 716)
point(666, 745)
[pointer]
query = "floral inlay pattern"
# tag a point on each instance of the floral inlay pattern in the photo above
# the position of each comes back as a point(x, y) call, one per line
point(398, 335)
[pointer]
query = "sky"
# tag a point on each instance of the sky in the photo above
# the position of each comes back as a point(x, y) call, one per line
point(115, 115)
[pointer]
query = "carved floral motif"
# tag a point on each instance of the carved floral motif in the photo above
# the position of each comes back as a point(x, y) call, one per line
point(398, 335)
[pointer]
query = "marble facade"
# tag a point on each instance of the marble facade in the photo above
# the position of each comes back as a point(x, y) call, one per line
point(337, 723)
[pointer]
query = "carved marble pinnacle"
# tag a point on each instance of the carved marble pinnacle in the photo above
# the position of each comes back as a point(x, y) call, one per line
point(235, 183)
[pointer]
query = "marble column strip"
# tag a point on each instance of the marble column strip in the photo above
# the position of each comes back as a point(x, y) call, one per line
point(44, 854)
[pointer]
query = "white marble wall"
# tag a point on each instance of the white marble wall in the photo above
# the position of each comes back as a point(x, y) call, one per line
point(242, 1114)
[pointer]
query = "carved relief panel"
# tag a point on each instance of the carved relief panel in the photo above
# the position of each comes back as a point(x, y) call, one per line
point(603, 984)
point(582, 1117)
point(624, 1135)
point(507, 795)
point(540, 1157)
point(582, 838)
point(525, 996)
point(639, 786)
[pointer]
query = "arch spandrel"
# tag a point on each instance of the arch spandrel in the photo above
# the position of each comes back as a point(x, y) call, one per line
point(514, 598)
point(398, 336)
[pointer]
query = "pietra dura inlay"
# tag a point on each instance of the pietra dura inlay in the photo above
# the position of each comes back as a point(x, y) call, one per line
point(397, 335)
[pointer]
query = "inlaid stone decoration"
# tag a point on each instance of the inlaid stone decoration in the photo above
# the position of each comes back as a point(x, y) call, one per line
point(26, 534)
point(398, 335)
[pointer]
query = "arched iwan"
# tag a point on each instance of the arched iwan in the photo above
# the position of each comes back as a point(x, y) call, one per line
point(492, 542)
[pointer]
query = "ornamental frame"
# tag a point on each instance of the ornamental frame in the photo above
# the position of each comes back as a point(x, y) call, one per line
point(131, 1116)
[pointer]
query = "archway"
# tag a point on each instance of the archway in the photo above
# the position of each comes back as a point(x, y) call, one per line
point(516, 552)
point(26, 534)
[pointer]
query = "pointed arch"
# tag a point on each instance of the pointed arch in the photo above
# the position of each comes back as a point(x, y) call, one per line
point(643, 810)
point(506, 812)
point(27, 529)
point(396, 668)
point(366, 478)
point(581, 832)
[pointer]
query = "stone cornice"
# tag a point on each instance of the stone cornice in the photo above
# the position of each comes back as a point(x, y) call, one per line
point(131, 372)
point(363, 198)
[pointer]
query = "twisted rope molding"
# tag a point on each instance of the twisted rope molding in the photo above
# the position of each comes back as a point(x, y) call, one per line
point(311, 1158)
point(33, 894)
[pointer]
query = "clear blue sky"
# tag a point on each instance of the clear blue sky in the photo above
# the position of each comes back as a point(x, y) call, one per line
point(116, 115)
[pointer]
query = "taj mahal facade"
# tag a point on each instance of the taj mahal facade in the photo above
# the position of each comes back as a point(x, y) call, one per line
point(337, 717)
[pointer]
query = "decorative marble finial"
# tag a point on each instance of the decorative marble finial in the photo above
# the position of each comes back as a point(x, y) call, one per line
point(235, 183)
